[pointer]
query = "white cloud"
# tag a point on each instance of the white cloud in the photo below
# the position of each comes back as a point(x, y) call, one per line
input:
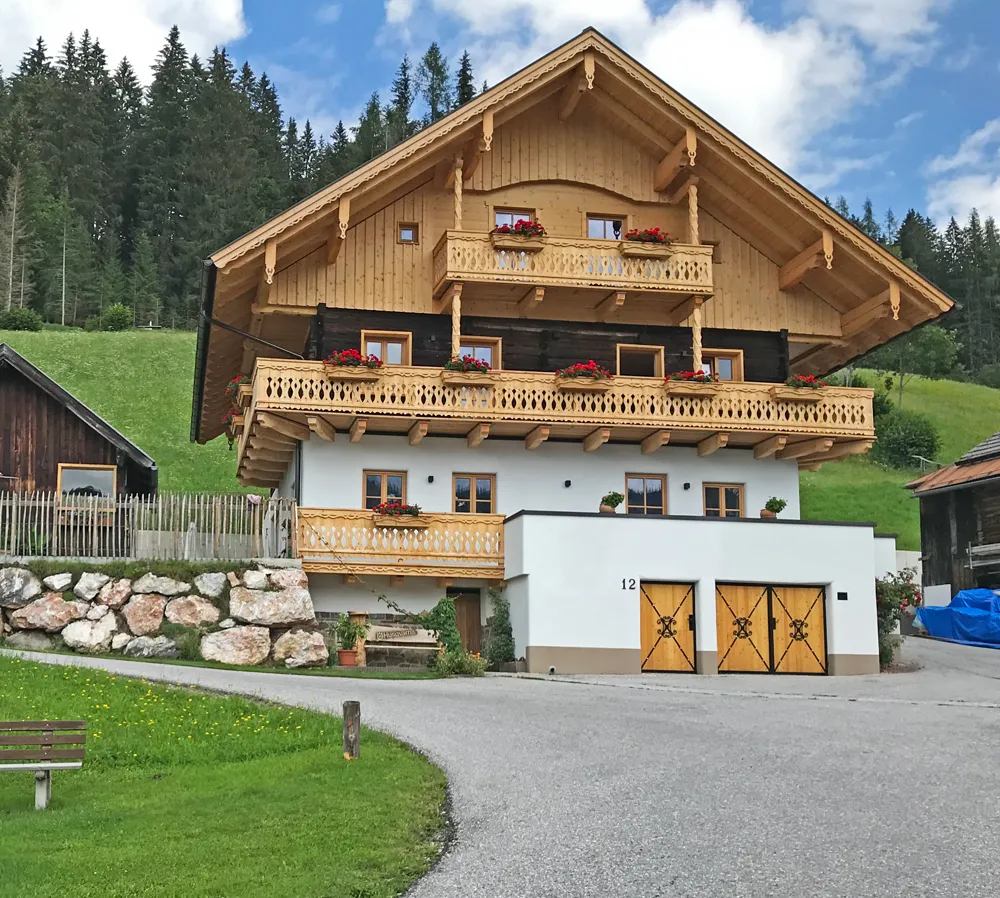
point(970, 177)
point(397, 11)
point(827, 174)
point(133, 28)
point(329, 14)
point(890, 26)
point(974, 150)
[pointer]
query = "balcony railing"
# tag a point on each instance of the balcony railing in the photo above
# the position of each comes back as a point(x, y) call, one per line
point(571, 262)
point(350, 541)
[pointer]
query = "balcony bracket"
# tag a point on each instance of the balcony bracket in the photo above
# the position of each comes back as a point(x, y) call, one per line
point(711, 445)
point(811, 257)
point(358, 429)
point(654, 441)
point(417, 432)
point(593, 441)
point(610, 305)
point(478, 433)
point(322, 428)
point(282, 425)
point(767, 448)
point(530, 301)
point(806, 447)
point(538, 436)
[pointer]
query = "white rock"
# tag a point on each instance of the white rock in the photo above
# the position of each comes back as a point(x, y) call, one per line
point(96, 612)
point(255, 580)
point(301, 648)
point(91, 637)
point(210, 585)
point(228, 624)
point(289, 577)
point(283, 608)
point(18, 587)
point(89, 585)
point(152, 647)
point(48, 613)
point(240, 645)
point(120, 640)
point(164, 586)
point(191, 611)
point(58, 582)
point(30, 640)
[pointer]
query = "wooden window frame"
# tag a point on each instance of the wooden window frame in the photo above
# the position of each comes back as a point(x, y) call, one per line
point(663, 480)
point(735, 354)
point(495, 342)
point(400, 226)
point(404, 337)
point(603, 216)
point(383, 474)
point(67, 502)
point(722, 487)
point(657, 351)
point(472, 492)
point(532, 213)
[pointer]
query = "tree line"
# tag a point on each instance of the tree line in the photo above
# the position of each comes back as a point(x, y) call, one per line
point(112, 193)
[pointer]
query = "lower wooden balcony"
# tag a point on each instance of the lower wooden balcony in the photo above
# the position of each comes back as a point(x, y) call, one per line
point(354, 542)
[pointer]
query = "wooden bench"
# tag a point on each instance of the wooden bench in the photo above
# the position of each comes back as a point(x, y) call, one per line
point(42, 746)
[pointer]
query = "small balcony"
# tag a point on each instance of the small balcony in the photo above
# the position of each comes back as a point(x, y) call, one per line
point(355, 541)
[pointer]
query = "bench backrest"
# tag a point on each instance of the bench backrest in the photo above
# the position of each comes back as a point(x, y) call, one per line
point(42, 740)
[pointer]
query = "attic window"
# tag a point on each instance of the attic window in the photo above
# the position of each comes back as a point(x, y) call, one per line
point(408, 232)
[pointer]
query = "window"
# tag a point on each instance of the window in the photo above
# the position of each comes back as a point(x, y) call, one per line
point(474, 493)
point(725, 364)
point(87, 481)
point(392, 347)
point(407, 232)
point(384, 486)
point(640, 361)
point(600, 227)
point(645, 494)
point(723, 500)
point(511, 216)
point(483, 349)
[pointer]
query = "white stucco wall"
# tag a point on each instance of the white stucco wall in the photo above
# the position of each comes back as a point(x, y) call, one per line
point(566, 573)
point(331, 594)
point(286, 489)
point(885, 556)
point(332, 473)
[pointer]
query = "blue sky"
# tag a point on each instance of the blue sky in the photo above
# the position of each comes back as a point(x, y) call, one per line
point(893, 99)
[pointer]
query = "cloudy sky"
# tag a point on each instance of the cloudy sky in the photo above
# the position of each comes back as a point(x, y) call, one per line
point(893, 99)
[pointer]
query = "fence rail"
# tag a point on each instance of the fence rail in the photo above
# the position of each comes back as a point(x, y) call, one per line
point(182, 526)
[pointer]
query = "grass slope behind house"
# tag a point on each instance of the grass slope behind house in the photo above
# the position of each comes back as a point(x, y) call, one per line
point(140, 382)
point(184, 794)
point(859, 490)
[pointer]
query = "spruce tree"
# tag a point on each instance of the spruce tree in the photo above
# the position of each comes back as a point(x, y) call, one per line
point(465, 88)
point(432, 76)
point(143, 283)
point(369, 135)
point(399, 125)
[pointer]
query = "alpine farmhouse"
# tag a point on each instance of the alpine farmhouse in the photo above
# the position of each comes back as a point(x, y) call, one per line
point(417, 258)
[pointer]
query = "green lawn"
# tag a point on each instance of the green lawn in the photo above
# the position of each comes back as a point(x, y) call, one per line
point(184, 794)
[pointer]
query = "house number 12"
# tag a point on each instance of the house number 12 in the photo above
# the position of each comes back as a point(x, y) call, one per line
point(628, 584)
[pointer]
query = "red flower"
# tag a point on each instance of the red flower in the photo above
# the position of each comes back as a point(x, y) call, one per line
point(466, 363)
point(649, 235)
point(809, 381)
point(585, 369)
point(700, 377)
point(352, 358)
point(523, 227)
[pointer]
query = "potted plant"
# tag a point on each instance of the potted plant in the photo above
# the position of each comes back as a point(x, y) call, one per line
point(234, 424)
point(583, 376)
point(799, 388)
point(348, 634)
point(610, 502)
point(525, 235)
point(691, 383)
point(649, 243)
point(350, 364)
point(773, 507)
point(467, 371)
point(238, 389)
point(398, 514)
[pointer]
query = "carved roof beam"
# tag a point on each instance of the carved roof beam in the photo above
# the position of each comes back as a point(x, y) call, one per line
point(880, 306)
point(530, 301)
point(681, 157)
point(711, 445)
point(610, 305)
point(813, 256)
point(579, 82)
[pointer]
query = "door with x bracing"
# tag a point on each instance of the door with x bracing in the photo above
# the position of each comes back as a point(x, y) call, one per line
point(666, 626)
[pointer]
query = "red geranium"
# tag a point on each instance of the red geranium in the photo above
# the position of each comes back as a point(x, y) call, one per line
point(585, 369)
point(466, 363)
point(396, 509)
point(697, 377)
point(233, 387)
point(523, 227)
point(648, 235)
point(809, 381)
point(351, 358)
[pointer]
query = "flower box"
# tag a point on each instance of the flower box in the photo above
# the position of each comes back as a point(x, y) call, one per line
point(796, 394)
point(582, 384)
point(245, 392)
point(637, 249)
point(691, 388)
point(236, 425)
point(516, 242)
point(402, 521)
point(467, 378)
point(345, 372)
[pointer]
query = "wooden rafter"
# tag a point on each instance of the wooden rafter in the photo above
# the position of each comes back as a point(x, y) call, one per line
point(443, 305)
point(322, 428)
point(537, 436)
point(713, 444)
point(806, 447)
point(530, 301)
point(417, 432)
point(821, 251)
point(840, 450)
point(654, 441)
point(265, 455)
point(683, 311)
point(767, 448)
point(358, 428)
point(680, 157)
point(478, 433)
point(615, 109)
point(682, 191)
point(593, 441)
point(270, 440)
point(872, 310)
point(282, 425)
point(571, 95)
point(610, 305)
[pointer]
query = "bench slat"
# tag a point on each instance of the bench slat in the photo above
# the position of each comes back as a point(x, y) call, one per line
point(50, 739)
point(44, 755)
point(32, 725)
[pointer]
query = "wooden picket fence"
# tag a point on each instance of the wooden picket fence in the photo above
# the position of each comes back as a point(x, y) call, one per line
point(178, 526)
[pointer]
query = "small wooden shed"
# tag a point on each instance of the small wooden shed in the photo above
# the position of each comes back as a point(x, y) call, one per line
point(50, 441)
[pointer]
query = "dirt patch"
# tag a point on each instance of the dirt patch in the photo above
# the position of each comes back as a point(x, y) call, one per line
point(902, 667)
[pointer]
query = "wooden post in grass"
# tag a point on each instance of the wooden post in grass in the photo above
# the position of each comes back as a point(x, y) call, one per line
point(352, 730)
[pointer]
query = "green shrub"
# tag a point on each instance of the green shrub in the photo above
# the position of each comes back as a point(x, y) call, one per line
point(91, 324)
point(460, 664)
point(116, 317)
point(500, 645)
point(893, 594)
point(442, 620)
point(989, 376)
point(20, 320)
point(901, 435)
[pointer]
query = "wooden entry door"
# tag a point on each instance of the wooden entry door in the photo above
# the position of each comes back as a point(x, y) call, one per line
point(799, 635)
point(469, 613)
point(666, 627)
point(741, 621)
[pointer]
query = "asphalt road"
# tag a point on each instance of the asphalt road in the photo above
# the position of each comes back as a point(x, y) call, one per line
point(684, 786)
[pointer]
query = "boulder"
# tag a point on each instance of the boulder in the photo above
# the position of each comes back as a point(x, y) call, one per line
point(91, 637)
point(152, 647)
point(283, 608)
point(58, 582)
point(18, 587)
point(120, 640)
point(210, 585)
point(191, 611)
point(228, 624)
point(30, 640)
point(233, 579)
point(144, 613)
point(288, 578)
point(89, 585)
point(96, 612)
point(50, 613)
point(255, 579)
point(115, 594)
point(240, 645)
point(301, 648)
point(164, 586)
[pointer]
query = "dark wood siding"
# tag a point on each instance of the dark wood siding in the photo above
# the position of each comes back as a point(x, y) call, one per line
point(541, 345)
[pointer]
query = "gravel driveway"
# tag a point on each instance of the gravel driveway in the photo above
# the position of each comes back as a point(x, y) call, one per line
point(707, 787)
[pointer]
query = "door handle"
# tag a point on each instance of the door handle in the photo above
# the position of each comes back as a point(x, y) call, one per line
point(691, 622)
point(774, 623)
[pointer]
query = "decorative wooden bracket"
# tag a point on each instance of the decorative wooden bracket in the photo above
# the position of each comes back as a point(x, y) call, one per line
point(344, 215)
point(579, 82)
point(443, 305)
point(282, 425)
point(806, 447)
point(530, 301)
point(610, 304)
point(894, 299)
point(417, 432)
point(767, 448)
point(840, 450)
point(811, 257)
point(855, 321)
point(682, 191)
point(680, 157)
point(322, 428)
point(654, 441)
point(713, 444)
point(538, 436)
point(478, 433)
point(270, 259)
point(487, 130)
point(593, 441)
point(589, 68)
point(358, 429)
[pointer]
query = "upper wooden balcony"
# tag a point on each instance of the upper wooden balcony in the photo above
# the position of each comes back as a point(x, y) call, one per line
point(291, 399)
point(488, 268)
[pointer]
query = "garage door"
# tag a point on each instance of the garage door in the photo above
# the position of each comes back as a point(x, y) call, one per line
point(771, 629)
point(666, 626)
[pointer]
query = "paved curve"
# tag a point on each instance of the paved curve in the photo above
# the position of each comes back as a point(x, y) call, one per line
point(677, 786)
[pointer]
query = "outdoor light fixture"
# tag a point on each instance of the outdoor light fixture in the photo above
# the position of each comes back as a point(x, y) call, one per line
point(567, 483)
point(430, 479)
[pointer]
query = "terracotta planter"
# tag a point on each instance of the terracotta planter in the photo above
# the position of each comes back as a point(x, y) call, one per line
point(607, 509)
point(764, 513)
point(636, 249)
point(797, 394)
point(402, 521)
point(691, 388)
point(582, 384)
point(347, 657)
point(520, 244)
point(468, 378)
point(361, 373)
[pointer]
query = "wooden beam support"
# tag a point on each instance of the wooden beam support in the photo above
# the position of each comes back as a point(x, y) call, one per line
point(571, 95)
point(613, 109)
point(264, 455)
point(767, 448)
point(333, 244)
point(396, 580)
point(350, 579)
point(444, 582)
point(840, 450)
point(682, 312)
point(417, 432)
point(475, 436)
point(530, 301)
point(654, 441)
point(443, 305)
point(322, 428)
point(894, 299)
point(358, 429)
point(680, 157)
point(806, 447)
point(344, 215)
point(610, 305)
point(270, 259)
point(282, 425)
point(593, 441)
point(487, 130)
point(792, 272)
point(538, 436)
point(276, 468)
point(271, 441)
point(713, 444)
point(681, 192)
point(863, 316)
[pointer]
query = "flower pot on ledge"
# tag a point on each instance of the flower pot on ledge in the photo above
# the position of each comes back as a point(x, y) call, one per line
point(347, 657)
point(767, 514)
point(402, 521)
point(515, 242)
point(468, 378)
point(691, 388)
point(639, 249)
point(796, 394)
point(607, 509)
point(362, 374)
point(582, 384)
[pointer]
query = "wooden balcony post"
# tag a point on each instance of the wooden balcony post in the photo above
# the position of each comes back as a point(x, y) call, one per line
point(696, 333)
point(694, 235)
point(456, 322)
point(459, 164)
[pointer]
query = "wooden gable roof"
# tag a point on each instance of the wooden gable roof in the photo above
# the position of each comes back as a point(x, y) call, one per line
point(876, 295)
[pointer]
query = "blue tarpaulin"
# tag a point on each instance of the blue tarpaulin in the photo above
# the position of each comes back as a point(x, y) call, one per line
point(972, 617)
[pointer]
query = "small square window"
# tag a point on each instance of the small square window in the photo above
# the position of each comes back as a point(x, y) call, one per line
point(474, 493)
point(482, 349)
point(408, 233)
point(601, 227)
point(724, 364)
point(511, 217)
point(646, 494)
point(392, 347)
point(384, 486)
point(723, 500)
point(96, 484)
point(640, 361)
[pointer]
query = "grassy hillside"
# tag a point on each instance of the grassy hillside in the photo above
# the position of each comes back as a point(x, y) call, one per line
point(140, 382)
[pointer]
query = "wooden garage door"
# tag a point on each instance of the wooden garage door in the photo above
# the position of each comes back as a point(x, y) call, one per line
point(799, 635)
point(741, 621)
point(666, 626)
